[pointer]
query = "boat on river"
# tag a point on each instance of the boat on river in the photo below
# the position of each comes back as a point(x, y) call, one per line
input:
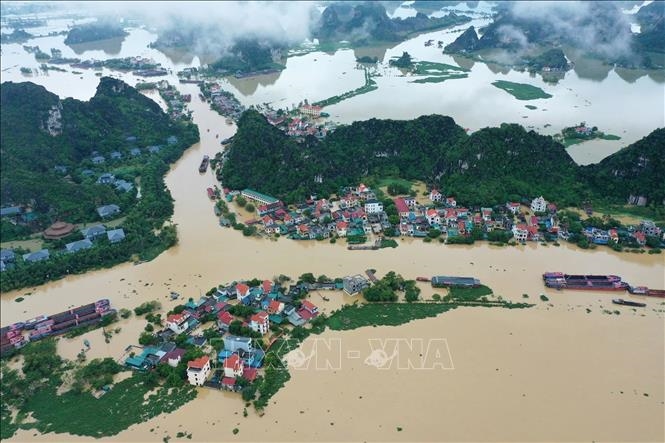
point(560, 280)
point(204, 164)
point(643, 290)
point(621, 301)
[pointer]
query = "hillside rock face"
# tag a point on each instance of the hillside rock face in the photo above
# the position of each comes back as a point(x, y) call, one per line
point(467, 41)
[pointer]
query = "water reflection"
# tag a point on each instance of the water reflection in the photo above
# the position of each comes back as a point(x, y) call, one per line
point(111, 46)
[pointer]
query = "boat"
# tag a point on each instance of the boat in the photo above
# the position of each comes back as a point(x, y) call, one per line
point(643, 290)
point(558, 280)
point(621, 301)
point(422, 279)
point(204, 164)
point(211, 193)
point(174, 295)
point(454, 282)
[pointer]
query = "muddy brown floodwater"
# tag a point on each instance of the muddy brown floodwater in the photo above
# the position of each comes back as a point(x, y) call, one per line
point(563, 370)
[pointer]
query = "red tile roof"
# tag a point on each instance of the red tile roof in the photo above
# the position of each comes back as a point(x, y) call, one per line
point(228, 381)
point(225, 317)
point(274, 306)
point(267, 286)
point(342, 225)
point(259, 317)
point(249, 374)
point(401, 205)
point(306, 304)
point(198, 363)
point(242, 288)
point(232, 362)
point(176, 318)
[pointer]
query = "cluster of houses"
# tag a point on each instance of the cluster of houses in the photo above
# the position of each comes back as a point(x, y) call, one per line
point(175, 101)
point(133, 152)
point(90, 236)
point(241, 356)
point(301, 122)
point(358, 213)
point(225, 103)
point(637, 235)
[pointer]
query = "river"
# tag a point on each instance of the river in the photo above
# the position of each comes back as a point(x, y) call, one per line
point(552, 372)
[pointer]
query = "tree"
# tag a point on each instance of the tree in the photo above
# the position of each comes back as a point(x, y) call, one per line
point(307, 278)
point(235, 327)
point(250, 207)
point(241, 201)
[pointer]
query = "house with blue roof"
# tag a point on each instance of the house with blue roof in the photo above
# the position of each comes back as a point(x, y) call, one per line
point(79, 245)
point(36, 256)
point(93, 232)
point(115, 235)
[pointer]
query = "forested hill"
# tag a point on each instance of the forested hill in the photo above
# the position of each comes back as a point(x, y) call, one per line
point(367, 21)
point(637, 170)
point(488, 167)
point(39, 131)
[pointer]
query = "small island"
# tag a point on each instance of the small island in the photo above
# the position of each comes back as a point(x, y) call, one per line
point(102, 30)
point(521, 91)
point(579, 134)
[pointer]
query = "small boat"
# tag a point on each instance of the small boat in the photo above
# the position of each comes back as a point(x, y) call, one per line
point(422, 279)
point(621, 301)
point(174, 295)
point(204, 164)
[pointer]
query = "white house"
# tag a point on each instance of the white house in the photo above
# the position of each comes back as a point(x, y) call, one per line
point(373, 206)
point(435, 195)
point(177, 322)
point(520, 232)
point(259, 322)
point(433, 217)
point(538, 204)
point(513, 207)
point(198, 370)
point(341, 228)
point(233, 366)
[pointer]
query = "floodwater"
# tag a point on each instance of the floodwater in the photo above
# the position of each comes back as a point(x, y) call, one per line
point(552, 372)
point(627, 103)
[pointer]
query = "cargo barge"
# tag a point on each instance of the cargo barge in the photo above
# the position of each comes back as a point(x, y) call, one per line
point(19, 334)
point(559, 280)
point(454, 282)
point(204, 164)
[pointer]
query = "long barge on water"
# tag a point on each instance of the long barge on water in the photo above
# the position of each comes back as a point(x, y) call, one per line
point(559, 280)
point(643, 290)
point(19, 334)
point(204, 164)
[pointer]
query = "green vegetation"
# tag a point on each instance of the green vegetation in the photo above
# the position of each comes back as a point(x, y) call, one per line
point(76, 411)
point(147, 307)
point(474, 168)
point(367, 59)
point(531, 107)
point(578, 134)
point(33, 117)
point(93, 32)
point(247, 56)
point(366, 23)
point(16, 36)
point(383, 314)
point(404, 61)
point(439, 79)
point(388, 243)
point(369, 86)
point(521, 91)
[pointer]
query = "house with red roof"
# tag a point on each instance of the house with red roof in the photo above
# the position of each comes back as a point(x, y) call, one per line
point(513, 207)
point(341, 227)
point(259, 322)
point(640, 237)
point(233, 366)
point(242, 291)
point(178, 322)
point(224, 320)
point(486, 213)
point(533, 235)
point(450, 201)
point(310, 307)
point(433, 217)
point(275, 307)
point(614, 235)
point(303, 229)
point(267, 286)
point(435, 195)
point(198, 370)
point(401, 206)
point(250, 374)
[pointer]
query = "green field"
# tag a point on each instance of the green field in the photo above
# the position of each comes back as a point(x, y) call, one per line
point(570, 141)
point(383, 314)
point(439, 79)
point(531, 107)
point(521, 91)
